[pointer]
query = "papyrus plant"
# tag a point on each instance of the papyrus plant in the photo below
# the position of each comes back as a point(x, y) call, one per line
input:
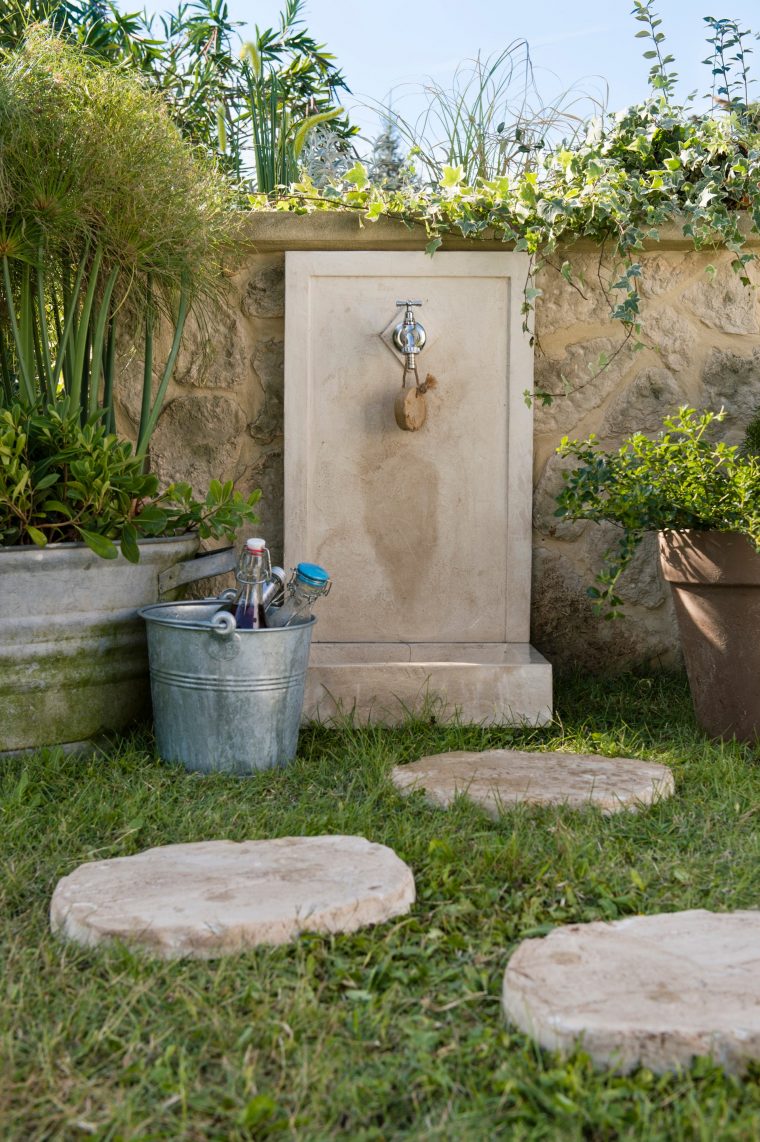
point(107, 217)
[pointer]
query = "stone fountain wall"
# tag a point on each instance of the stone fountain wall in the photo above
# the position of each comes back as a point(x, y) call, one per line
point(700, 344)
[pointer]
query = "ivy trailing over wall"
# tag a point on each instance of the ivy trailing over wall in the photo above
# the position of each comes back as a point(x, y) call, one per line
point(657, 164)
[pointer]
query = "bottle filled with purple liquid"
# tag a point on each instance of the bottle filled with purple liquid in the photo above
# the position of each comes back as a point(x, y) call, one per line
point(254, 572)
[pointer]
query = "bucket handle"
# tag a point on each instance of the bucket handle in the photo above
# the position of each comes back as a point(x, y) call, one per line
point(223, 623)
point(202, 567)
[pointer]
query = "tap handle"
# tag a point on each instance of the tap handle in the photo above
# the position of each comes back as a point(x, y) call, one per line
point(409, 336)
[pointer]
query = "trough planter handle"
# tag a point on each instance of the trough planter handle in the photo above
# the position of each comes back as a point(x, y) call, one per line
point(202, 567)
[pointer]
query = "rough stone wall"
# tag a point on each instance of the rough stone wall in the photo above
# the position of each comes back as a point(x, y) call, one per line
point(701, 347)
point(223, 413)
point(223, 416)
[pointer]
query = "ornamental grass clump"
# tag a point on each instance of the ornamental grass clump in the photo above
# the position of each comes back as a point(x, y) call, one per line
point(107, 216)
point(491, 121)
point(684, 479)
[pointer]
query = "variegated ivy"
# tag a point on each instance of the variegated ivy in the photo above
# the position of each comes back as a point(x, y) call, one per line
point(654, 165)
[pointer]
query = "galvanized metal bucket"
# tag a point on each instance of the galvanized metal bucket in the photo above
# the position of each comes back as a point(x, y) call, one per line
point(224, 700)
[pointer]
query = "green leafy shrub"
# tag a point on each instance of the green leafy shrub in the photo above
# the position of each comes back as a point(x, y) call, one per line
point(278, 134)
point(64, 481)
point(683, 479)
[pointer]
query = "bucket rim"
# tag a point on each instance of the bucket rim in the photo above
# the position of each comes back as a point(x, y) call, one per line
point(157, 613)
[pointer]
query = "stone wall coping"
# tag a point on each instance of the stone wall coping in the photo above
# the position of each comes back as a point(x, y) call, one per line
point(271, 231)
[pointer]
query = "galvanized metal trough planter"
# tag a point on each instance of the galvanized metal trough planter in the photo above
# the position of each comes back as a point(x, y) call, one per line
point(73, 653)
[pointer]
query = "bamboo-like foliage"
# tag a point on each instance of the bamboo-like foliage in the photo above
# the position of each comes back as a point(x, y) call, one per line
point(106, 215)
point(277, 139)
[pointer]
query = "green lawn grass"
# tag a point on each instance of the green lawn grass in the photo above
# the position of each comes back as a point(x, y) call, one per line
point(393, 1032)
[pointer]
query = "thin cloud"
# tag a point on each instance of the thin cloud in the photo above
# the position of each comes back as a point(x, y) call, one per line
point(549, 41)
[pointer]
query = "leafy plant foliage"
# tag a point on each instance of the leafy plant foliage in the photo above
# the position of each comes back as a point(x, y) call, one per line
point(491, 121)
point(63, 481)
point(752, 436)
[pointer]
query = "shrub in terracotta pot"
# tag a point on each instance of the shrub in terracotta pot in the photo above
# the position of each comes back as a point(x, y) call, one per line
point(703, 497)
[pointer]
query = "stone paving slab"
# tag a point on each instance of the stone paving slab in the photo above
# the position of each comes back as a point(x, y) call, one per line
point(654, 991)
point(498, 778)
point(213, 898)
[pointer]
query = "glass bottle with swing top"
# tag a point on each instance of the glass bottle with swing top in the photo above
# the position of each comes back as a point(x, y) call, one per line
point(308, 583)
point(254, 572)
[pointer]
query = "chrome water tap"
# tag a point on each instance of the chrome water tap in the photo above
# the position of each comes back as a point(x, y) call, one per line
point(409, 336)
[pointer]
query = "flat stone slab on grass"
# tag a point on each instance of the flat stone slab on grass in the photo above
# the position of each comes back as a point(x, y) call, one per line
point(213, 898)
point(497, 778)
point(652, 991)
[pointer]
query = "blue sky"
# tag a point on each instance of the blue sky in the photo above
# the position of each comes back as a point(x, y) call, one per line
point(393, 45)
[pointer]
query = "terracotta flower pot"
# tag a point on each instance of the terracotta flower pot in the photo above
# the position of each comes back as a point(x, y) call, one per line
point(715, 580)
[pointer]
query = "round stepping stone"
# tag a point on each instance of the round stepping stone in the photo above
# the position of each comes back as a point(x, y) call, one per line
point(652, 991)
point(497, 778)
point(214, 898)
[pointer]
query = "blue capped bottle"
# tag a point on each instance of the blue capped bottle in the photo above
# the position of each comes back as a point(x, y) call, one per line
point(308, 583)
